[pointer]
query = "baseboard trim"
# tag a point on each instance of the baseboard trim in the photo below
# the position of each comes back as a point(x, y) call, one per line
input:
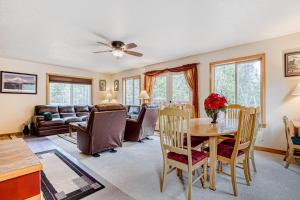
point(11, 135)
point(270, 150)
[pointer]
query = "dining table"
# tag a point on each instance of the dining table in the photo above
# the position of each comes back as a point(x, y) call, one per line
point(203, 127)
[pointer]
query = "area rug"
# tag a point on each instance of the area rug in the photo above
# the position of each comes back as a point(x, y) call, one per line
point(67, 137)
point(62, 179)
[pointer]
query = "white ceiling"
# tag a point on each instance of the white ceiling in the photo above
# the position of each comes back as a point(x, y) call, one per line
point(65, 32)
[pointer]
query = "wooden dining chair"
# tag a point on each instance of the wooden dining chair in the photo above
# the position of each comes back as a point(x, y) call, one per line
point(253, 140)
point(231, 142)
point(231, 116)
point(293, 143)
point(232, 111)
point(239, 152)
point(190, 108)
point(174, 127)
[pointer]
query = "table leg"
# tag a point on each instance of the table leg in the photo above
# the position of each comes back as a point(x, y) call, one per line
point(212, 163)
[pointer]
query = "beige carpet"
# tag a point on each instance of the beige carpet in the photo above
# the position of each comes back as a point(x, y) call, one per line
point(135, 169)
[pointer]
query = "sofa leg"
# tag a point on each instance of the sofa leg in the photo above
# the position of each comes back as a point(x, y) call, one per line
point(147, 138)
point(113, 151)
point(96, 155)
point(140, 141)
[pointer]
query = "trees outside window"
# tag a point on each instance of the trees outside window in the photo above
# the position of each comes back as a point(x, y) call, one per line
point(241, 81)
point(69, 94)
point(171, 87)
point(131, 87)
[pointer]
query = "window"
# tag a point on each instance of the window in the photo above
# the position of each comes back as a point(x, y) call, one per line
point(131, 88)
point(171, 87)
point(159, 93)
point(69, 91)
point(241, 80)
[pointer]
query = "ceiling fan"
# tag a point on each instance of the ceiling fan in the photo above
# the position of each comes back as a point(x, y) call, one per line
point(119, 49)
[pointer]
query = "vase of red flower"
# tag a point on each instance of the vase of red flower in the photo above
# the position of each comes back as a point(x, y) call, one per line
point(213, 104)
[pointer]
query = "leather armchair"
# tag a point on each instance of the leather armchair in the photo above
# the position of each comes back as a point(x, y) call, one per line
point(104, 129)
point(143, 126)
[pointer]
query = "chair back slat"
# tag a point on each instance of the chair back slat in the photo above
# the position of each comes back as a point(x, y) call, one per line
point(190, 108)
point(232, 112)
point(289, 130)
point(174, 128)
point(245, 129)
point(256, 128)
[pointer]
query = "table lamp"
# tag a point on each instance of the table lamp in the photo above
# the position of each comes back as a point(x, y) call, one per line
point(109, 96)
point(144, 96)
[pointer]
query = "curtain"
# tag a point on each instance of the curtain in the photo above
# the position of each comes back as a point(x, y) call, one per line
point(191, 76)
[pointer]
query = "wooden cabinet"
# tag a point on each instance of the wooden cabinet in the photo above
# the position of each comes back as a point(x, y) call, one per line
point(20, 176)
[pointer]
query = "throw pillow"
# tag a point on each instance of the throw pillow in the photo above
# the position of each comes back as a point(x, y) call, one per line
point(47, 116)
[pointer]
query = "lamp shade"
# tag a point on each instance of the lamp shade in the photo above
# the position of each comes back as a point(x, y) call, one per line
point(296, 91)
point(144, 95)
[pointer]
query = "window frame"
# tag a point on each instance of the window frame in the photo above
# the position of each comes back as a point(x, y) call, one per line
point(256, 57)
point(61, 75)
point(138, 77)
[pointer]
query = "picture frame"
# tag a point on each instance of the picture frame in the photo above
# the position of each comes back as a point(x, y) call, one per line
point(102, 85)
point(116, 85)
point(18, 83)
point(292, 64)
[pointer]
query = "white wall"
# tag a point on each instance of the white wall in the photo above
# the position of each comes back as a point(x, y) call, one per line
point(279, 102)
point(17, 109)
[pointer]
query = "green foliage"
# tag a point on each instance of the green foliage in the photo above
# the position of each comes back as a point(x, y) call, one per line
point(240, 82)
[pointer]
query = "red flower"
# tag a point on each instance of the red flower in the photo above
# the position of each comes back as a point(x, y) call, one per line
point(215, 102)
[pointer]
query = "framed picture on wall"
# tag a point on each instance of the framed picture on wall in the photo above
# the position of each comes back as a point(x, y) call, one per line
point(102, 85)
point(292, 64)
point(116, 85)
point(18, 83)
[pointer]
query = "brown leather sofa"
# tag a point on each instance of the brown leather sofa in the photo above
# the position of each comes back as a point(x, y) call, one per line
point(62, 116)
point(143, 126)
point(104, 129)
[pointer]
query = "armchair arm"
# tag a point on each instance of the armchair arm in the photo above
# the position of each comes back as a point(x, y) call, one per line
point(37, 118)
point(132, 130)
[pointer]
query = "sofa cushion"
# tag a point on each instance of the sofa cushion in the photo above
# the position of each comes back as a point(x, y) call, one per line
point(197, 156)
point(85, 118)
point(63, 115)
point(82, 108)
point(66, 109)
point(72, 119)
point(81, 114)
point(40, 110)
point(53, 122)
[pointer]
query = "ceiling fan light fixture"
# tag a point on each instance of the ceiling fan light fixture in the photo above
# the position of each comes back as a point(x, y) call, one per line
point(118, 53)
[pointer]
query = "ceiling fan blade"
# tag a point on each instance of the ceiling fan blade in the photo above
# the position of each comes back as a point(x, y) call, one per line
point(104, 44)
point(130, 46)
point(133, 53)
point(102, 51)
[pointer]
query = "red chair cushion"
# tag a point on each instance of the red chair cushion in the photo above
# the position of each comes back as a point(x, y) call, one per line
point(197, 156)
point(229, 142)
point(226, 151)
point(195, 140)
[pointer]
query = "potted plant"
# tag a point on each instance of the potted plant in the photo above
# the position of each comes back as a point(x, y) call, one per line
point(213, 104)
